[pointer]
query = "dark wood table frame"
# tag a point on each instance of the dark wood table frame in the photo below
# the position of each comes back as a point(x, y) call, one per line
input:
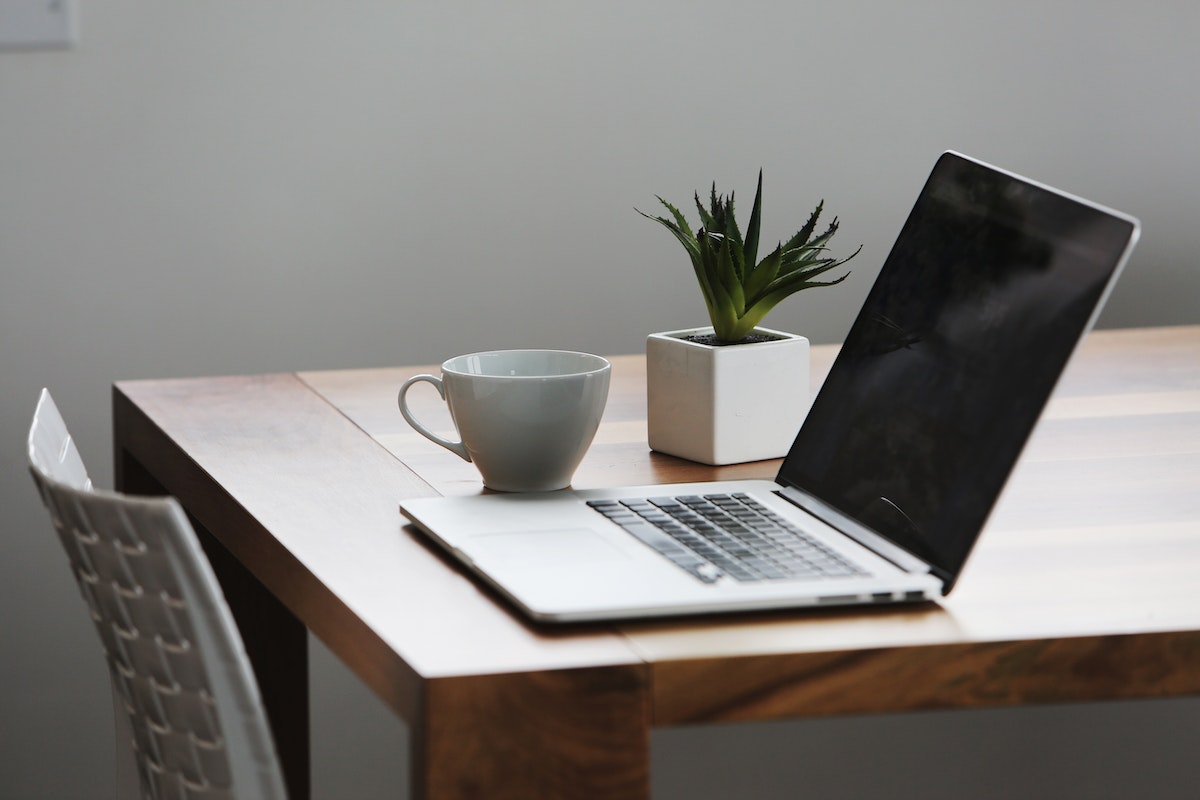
point(294, 479)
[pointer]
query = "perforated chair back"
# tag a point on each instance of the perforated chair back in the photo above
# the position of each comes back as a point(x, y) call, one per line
point(174, 653)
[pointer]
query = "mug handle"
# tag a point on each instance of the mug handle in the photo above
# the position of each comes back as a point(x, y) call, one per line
point(458, 448)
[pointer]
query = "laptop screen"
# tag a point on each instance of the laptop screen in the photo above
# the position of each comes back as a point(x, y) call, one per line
point(979, 305)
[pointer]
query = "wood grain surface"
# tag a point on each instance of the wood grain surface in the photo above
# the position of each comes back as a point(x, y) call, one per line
point(564, 734)
point(1082, 586)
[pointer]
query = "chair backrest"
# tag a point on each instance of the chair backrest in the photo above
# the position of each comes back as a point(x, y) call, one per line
point(174, 653)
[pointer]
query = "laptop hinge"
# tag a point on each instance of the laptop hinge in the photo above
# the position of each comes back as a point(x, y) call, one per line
point(868, 538)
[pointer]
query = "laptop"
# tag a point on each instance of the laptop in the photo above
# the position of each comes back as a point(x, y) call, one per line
point(990, 285)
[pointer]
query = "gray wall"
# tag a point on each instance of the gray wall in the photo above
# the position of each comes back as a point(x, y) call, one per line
point(224, 187)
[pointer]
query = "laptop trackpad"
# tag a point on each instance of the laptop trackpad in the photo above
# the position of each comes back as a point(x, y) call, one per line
point(544, 547)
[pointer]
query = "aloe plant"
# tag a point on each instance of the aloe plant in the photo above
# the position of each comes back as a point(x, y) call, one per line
point(739, 290)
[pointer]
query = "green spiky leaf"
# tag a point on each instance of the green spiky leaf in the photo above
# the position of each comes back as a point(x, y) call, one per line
point(738, 291)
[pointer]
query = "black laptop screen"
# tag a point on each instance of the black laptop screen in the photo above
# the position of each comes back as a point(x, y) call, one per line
point(944, 373)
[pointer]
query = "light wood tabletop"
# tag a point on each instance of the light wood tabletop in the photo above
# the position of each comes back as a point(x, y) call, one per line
point(1083, 586)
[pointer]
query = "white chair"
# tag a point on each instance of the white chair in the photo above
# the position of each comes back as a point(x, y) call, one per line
point(191, 708)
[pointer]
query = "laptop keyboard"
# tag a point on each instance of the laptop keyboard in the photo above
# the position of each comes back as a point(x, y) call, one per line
point(726, 534)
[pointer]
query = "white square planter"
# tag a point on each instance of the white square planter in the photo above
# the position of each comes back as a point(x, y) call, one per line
point(725, 404)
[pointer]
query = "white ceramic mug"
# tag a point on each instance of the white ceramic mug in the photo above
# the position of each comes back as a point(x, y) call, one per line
point(525, 418)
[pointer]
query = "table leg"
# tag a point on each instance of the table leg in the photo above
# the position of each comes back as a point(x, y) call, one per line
point(565, 734)
point(275, 640)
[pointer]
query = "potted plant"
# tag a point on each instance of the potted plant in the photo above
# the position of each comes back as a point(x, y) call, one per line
point(735, 391)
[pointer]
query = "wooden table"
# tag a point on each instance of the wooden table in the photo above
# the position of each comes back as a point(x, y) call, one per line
point(1083, 587)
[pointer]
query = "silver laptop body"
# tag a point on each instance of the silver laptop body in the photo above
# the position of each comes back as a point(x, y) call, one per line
point(988, 289)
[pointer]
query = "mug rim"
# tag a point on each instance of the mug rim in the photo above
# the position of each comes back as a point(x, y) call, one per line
point(602, 364)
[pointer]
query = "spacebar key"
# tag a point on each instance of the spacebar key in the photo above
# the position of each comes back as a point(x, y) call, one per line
point(680, 555)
